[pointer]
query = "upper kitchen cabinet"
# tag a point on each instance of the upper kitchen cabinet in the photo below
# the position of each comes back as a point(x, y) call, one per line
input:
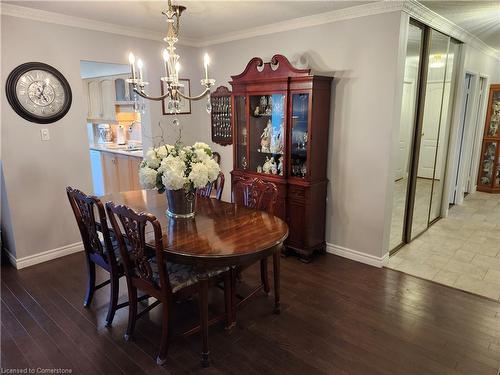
point(93, 94)
point(108, 98)
point(104, 94)
point(123, 91)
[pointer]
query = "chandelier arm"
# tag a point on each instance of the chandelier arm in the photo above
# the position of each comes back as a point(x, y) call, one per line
point(157, 98)
point(197, 97)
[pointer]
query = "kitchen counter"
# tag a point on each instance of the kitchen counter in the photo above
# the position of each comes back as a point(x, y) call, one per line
point(117, 150)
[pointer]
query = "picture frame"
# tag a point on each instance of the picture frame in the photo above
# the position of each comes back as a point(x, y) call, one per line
point(185, 105)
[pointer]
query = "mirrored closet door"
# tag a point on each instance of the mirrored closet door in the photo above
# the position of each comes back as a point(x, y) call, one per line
point(420, 167)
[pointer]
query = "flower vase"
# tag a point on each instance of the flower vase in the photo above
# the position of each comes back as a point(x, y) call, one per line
point(181, 203)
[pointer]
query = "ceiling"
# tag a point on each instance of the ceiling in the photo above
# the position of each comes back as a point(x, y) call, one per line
point(202, 19)
point(480, 18)
point(205, 19)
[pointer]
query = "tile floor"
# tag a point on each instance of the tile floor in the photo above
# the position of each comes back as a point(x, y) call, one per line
point(462, 250)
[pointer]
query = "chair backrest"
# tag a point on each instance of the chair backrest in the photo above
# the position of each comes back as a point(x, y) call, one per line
point(255, 193)
point(218, 184)
point(85, 207)
point(136, 258)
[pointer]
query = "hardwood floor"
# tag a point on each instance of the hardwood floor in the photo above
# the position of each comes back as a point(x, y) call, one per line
point(338, 317)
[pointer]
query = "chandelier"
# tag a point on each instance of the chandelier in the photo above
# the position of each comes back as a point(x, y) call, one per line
point(172, 67)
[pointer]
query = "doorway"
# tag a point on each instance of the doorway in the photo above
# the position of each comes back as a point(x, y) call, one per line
point(467, 153)
point(428, 91)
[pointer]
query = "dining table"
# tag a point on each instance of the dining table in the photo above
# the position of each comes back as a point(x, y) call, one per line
point(220, 235)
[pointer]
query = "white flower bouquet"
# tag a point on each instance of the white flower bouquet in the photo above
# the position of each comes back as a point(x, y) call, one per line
point(178, 167)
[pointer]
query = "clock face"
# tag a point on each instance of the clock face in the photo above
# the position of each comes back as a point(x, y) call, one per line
point(38, 92)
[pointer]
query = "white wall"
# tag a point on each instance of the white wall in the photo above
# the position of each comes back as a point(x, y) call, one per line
point(36, 173)
point(362, 55)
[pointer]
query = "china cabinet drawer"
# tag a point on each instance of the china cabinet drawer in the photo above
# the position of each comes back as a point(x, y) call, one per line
point(296, 193)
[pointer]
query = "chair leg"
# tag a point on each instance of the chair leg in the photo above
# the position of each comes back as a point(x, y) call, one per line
point(162, 353)
point(90, 283)
point(264, 275)
point(203, 304)
point(113, 299)
point(132, 312)
point(228, 293)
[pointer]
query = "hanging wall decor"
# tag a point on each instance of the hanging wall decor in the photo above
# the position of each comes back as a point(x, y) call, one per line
point(222, 130)
point(38, 92)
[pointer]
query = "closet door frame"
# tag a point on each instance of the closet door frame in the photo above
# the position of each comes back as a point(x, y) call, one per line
point(417, 130)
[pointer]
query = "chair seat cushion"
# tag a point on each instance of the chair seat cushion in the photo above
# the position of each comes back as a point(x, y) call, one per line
point(180, 275)
point(116, 246)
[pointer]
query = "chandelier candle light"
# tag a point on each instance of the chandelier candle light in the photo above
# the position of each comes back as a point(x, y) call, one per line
point(172, 67)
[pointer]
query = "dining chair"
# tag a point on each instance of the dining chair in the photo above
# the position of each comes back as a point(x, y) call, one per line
point(100, 247)
point(218, 185)
point(260, 195)
point(159, 278)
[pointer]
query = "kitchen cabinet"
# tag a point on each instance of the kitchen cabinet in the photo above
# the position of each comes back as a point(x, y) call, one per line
point(108, 98)
point(103, 94)
point(120, 172)
point(94, 99)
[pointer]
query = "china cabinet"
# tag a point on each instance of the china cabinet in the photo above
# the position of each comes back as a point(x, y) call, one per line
point(489, 166)
point(280, 134)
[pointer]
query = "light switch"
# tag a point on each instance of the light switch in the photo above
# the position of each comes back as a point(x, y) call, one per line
point(44, 134)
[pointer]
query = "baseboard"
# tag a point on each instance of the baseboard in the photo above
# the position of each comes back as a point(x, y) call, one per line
point(45, 256)
point(357, 256)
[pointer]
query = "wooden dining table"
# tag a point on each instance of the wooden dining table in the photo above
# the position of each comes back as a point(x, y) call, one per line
point(221, 234)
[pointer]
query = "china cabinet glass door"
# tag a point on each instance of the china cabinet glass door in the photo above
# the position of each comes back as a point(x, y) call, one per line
point(488, 163)
point(240, 123)
point(267, 134)
point(300, 137)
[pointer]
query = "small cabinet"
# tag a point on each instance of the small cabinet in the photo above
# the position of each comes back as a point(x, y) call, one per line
point(110, 172)
point(489, 167)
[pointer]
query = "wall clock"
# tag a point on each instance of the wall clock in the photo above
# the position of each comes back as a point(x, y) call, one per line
point(38, 92)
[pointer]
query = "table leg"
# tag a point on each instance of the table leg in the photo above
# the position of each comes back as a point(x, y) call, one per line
point(229, 299)
point(203, 279)
point(276, 274)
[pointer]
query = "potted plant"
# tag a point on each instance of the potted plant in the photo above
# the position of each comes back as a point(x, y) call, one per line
point(179, 170)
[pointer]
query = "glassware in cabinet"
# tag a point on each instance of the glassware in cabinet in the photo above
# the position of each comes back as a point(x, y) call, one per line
point(299, 135)
point(493, 128)
point(240, 123)
point(267, 134)
point(487, 165)
point(220, 103)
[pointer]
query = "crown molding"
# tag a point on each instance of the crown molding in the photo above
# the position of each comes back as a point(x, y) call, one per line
point(83, 23)
point(412, 7)
point(369, 9)
point(423, 14)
